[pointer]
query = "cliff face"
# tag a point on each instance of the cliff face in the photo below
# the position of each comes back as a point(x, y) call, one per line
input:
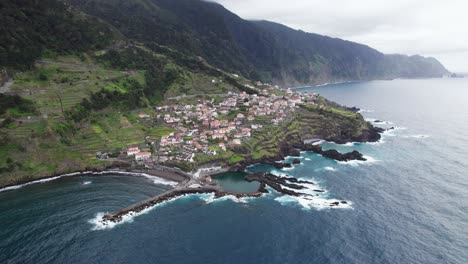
point(259, 50)
point(329, 121)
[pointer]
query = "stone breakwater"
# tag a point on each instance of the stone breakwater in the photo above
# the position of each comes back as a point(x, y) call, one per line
point(172, 194)
point(282, 185)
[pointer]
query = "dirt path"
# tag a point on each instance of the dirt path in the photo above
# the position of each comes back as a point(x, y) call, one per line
point(6, 87)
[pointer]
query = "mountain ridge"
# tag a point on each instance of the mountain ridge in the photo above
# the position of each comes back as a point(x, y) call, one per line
point(258, 50)
point(272, 52)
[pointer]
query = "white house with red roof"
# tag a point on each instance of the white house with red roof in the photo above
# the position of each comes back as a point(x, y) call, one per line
point(133, 151)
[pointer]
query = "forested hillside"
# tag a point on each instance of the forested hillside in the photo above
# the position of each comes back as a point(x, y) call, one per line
point(256, 49)
point(30, 29)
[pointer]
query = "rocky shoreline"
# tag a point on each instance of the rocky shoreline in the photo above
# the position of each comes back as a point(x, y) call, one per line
point(188, 184)
point(284, 185)
point(294, 147)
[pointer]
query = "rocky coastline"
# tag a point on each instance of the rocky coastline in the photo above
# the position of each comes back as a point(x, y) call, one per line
point(284, 185)
point(293, 147)
point(187, 184)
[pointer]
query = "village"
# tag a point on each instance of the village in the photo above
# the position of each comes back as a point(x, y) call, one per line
point(210, 126)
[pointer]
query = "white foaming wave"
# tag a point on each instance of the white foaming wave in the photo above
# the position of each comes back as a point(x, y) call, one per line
point(293, 157)
point(30, 183)
point(287, 169)
point(369, 161)
point(418, 136)
point(317, 203)
point(100, 224)
point(391, 132)
point(210, 198)
point(308, 159)
point(309, 189)
point(380, 142)
point(383, 122)
point(330, 168)
point(156, 180)
point(320, 142)
point(365, 111)
point(86, 183)
point(323, 84)
point(380, 122)
point(311, 199)
point(279, 173)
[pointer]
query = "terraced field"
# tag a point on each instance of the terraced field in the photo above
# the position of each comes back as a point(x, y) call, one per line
point(64, 81)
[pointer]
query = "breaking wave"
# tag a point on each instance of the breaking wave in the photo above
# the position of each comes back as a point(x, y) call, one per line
point(369, 161)
point(418, 136)
point(313, 197)
point(378, 121)
point(37, 182)
point(155, 179)
point(100, 224)
point(210, 198)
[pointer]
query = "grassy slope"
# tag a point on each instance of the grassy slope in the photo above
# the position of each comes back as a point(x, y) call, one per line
point(327, 122)
point(38, 147)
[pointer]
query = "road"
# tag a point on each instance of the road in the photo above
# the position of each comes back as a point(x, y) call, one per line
point(195, 95)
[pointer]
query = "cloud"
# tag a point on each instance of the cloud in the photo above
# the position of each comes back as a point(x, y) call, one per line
point(427, 27)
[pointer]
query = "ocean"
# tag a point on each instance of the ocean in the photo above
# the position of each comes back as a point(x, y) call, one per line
point(407, 204)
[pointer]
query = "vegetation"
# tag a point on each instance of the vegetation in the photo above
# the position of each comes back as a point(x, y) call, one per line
point(83, 68)
point(16, 106)
point(258, 50)
point(31, 29)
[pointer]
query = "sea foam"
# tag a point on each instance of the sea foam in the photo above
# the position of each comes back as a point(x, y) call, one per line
point(155, 179)
point(100, 224)
point(365, 111)
point(369, 161)
point(418, 136)
point(329, 168)
point(312, 199)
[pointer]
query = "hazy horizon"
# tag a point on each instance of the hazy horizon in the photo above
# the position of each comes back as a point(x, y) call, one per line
point(428, 28)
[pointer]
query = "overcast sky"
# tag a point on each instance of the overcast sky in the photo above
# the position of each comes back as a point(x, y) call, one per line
point(437, 28)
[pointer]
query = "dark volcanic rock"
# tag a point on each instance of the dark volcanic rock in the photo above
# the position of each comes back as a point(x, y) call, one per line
point(296, 162)
point(353, 109)
point(334, 154)
point(369, 135)
point(277, 183)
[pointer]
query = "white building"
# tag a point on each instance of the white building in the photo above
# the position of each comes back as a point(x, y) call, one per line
point(142, 156)
point(133, 151)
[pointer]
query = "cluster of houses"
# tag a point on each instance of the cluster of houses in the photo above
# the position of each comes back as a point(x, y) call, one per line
point(209, 127)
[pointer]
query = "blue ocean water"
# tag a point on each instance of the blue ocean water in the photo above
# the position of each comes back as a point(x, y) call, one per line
point(409, 202)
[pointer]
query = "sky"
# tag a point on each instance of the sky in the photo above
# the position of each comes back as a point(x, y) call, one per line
point(436, 28)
